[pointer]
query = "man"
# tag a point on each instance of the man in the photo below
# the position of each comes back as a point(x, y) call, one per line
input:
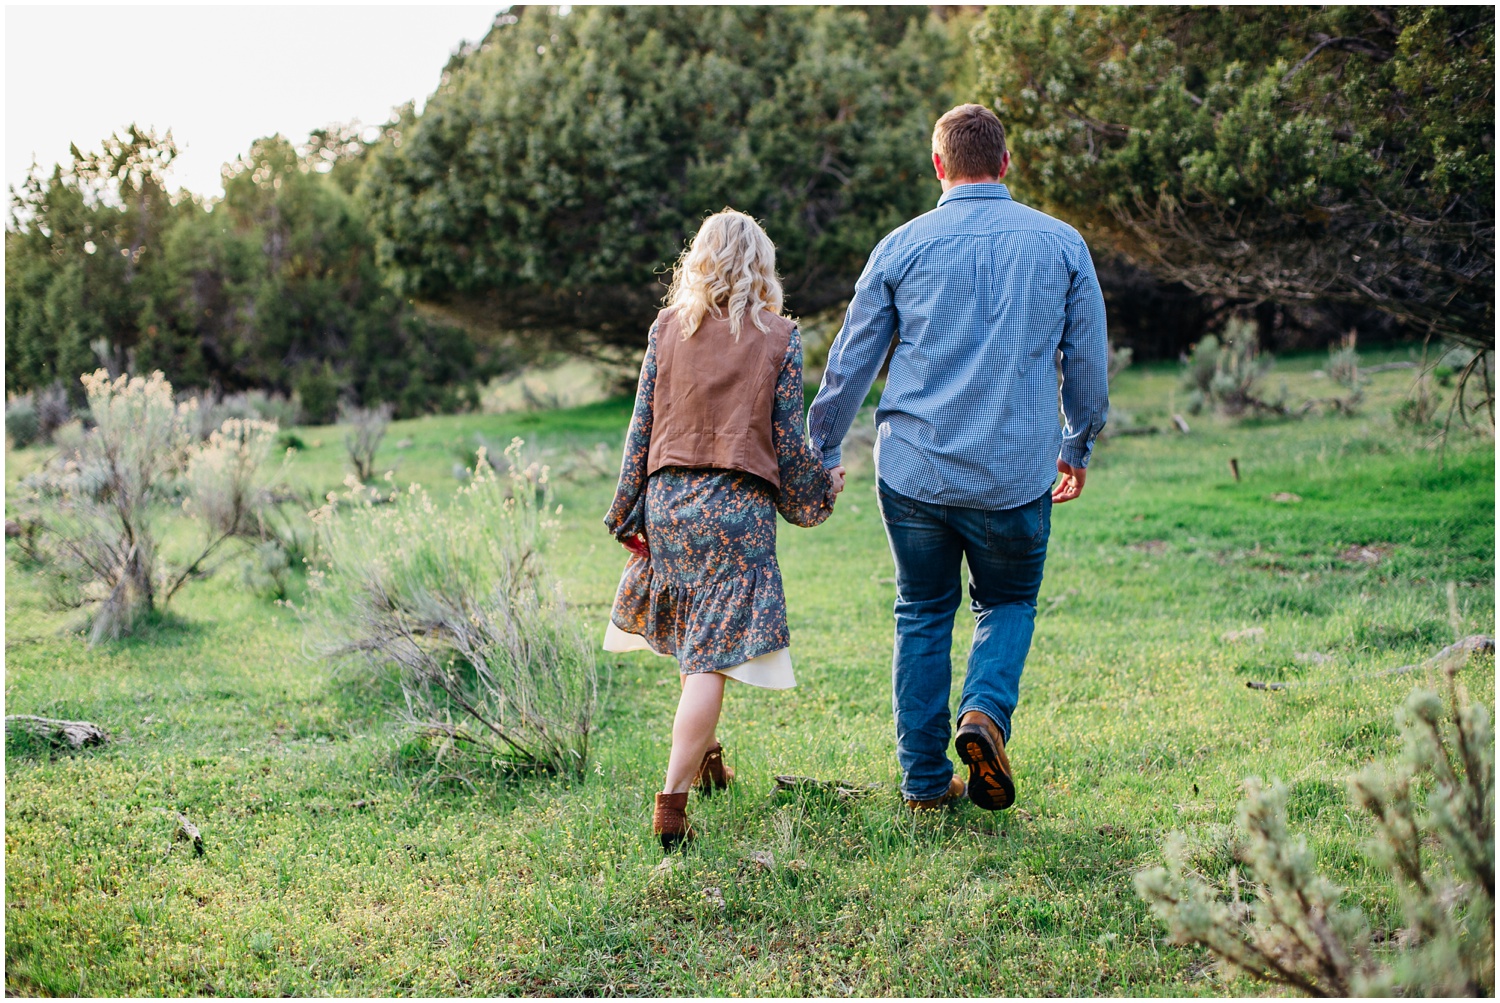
point(988, 302)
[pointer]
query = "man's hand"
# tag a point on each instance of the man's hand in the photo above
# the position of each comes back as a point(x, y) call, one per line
point(637, 545)
point(837, 473)
point(1070, 485)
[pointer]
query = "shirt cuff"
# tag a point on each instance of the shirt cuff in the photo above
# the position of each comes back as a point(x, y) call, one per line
point(833, 457)
point(1076, 454)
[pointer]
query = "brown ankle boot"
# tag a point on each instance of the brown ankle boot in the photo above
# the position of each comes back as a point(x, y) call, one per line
point(713, 775)
point(670, 823)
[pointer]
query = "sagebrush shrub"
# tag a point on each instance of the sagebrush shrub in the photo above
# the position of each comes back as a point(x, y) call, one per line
point(1227, 373)
point(224, 476)
point(457, 599)
point(1343, 362)
point(1280, 921)
point(367, 427)
point(22, 424)
point(100, 500)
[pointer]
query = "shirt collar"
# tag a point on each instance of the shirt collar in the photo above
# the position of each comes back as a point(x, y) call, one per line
point(978, 190)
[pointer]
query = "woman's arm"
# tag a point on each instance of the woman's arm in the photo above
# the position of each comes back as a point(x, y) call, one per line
point(627, 516)
point(806, 487)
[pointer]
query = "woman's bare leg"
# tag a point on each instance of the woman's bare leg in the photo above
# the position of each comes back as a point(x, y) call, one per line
point(693, 728)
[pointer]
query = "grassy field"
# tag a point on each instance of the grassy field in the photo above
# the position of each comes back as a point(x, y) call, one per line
point(335, 865)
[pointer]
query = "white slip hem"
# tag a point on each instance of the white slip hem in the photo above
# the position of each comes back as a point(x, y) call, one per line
point(771, 671)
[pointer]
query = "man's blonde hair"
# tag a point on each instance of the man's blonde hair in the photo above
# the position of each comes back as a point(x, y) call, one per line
point(971, 141)
point(727, 270)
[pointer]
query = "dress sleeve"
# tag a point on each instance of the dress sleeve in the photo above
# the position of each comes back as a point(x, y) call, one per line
point(806, 488)
point(627, 516)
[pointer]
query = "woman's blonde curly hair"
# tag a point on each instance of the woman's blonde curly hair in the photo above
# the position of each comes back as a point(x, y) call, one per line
point(727, 270)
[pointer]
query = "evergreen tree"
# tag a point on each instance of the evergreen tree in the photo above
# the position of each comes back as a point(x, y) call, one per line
point(554, 174)
point(1292, 154)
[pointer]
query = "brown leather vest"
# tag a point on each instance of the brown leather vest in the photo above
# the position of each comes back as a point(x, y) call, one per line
point(715, 395)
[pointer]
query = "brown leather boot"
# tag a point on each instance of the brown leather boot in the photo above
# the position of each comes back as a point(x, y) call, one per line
point(669, 822)
point(713, 775)
point(955, 791)
point(981, 746)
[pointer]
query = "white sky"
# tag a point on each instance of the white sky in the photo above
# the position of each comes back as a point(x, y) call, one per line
point(218, 77)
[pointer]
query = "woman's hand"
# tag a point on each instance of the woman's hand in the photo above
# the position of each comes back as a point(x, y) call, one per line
point(637, 545)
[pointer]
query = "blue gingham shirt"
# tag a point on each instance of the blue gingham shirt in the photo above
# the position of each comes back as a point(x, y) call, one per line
point(989, 303)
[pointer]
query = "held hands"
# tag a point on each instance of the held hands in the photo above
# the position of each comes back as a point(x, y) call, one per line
point(837, 473)
point(637, 545)
point(1070, 485)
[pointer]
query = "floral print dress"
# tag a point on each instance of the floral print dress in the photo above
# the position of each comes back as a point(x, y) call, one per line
point(710, 594)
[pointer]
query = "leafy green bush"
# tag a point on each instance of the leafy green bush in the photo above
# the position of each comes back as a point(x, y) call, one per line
point(458, 601)
point(318, 387)
point(22, 425)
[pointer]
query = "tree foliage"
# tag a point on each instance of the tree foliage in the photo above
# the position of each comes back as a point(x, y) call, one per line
point(274, 286)
point(1288, 155)
point(560, 164)
point(80, 258)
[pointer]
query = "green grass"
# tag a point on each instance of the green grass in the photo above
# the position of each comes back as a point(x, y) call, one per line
point(1135, 721)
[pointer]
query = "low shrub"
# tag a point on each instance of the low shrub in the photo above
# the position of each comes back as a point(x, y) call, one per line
point(100, 500)
point(215, 409)
point(1343, 362)
point(367, 427)
point(1419, 409)
point(268, 571)
point(1227, 374)
point(456, 599)
point(22, 424)
point(1279, 921)
point(35, 416)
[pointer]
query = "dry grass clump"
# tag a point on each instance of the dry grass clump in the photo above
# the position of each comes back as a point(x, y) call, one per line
point(457, 599)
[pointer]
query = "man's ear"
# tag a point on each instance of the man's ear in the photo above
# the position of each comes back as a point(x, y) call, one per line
point(1004, 164)
point(937, 165)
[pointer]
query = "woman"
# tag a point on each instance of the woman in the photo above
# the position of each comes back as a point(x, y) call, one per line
point(715, 450)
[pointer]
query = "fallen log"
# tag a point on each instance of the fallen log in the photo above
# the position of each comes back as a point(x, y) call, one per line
point(73, 734)
point(188, 832)
point(840, 789)
point(1460, 650)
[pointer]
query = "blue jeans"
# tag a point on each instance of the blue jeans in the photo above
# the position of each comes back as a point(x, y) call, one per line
point(1006, 549)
